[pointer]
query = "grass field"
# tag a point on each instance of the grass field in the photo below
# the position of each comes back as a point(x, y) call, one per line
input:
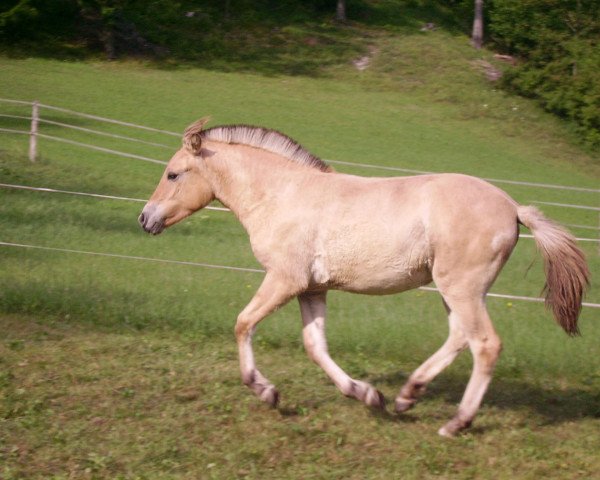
point(115, 368)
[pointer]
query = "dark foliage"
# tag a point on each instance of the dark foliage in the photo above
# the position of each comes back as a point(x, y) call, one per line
point(124, 27)
point(558, 42)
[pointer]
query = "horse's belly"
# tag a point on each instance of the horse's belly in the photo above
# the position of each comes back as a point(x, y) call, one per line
point(387, 282)
point(375, 271)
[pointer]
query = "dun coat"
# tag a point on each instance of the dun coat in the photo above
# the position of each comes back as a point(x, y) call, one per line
point(314, 230)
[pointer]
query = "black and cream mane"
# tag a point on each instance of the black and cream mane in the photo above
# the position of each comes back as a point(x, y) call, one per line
point(267, 139)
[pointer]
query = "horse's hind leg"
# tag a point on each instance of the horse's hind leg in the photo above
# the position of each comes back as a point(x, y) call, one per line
point(313, 309)
point(415, 386)
point(485, 346)
point(272, 294)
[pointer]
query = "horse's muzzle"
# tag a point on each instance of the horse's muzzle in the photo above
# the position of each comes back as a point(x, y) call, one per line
point(150, 222)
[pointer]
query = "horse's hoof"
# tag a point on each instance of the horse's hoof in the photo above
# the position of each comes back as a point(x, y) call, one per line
point(446, 432)
point(270, 395)
point(403, 404)
point(453, 427)
point(375, 399)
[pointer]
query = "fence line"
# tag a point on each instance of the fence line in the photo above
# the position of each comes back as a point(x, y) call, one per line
point(89, 130)
point(585, 227)
point(86, 145)
point(112, 197)
point(110, 120)
point(94, 117)
point(19, 102)
point(567, 205)
point(362, 165)
point(515, 297)
point(525, 235)
point(161, 162)
point(13, 130)
point(240, 269)
point(131, 257)
point(95, 195)
point(492, 180)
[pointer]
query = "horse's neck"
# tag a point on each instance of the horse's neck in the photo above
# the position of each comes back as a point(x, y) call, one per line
point(246, 179)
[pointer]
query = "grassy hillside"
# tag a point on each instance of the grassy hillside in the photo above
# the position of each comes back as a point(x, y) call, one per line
point(114, 368)
point(555, 44)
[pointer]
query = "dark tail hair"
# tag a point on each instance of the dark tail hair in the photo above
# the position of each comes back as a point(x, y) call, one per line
point(567, 273)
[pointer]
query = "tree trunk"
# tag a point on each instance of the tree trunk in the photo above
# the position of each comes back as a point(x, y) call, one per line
point(477, 37)
point(108, 39)
point(340, 13)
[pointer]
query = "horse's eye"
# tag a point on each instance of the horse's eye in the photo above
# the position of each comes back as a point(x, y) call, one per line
point(172, 176)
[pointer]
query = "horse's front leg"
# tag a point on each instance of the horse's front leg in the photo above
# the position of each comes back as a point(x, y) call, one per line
point(313, 309)
point(273, 293)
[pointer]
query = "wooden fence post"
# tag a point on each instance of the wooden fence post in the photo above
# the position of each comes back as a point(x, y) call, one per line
point(34, 129)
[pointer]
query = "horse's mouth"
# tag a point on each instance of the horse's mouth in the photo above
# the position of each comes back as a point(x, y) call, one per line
point(150, 225)
point(157, 228)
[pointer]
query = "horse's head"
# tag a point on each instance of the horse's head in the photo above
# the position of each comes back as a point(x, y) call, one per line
point(183, 188)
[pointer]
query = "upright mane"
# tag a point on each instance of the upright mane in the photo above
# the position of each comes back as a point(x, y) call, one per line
point(267, 139)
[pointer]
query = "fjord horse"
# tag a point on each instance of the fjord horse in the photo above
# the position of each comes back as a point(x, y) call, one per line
point(314, 230)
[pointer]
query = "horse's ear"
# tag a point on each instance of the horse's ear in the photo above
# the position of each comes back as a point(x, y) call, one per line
point(192, 139)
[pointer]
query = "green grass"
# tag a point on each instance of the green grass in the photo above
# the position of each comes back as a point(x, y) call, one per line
point(115, 368)
point(82, 403)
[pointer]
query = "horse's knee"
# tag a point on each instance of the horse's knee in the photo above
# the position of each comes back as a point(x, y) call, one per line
point(487, 351)
point(491, 347)
point(242, 327)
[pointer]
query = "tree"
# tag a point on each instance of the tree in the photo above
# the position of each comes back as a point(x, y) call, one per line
point(477, 36)
point(559, 59)
point(340, 13)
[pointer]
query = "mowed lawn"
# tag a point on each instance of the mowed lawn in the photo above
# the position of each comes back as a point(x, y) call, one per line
point(124, 368)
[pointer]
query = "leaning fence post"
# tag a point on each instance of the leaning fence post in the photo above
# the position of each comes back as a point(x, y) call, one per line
point(34, 128)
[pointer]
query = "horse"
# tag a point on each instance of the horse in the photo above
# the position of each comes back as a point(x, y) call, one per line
point(314, 229)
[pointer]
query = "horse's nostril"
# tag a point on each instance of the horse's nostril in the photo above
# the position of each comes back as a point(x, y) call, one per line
point(142, 219)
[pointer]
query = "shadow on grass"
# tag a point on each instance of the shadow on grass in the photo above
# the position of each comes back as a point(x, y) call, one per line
point(105, 310)
point(555, 405)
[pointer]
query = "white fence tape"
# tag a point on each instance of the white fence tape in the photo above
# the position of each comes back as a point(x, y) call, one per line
point(110, 120)
point(92, 117)
point(95, 195)
point(492, 180)
point(16, 102)
point(579, 239)
point(86, 145)
point(175, 134)
point(339, 162)
point(89, 130)
point(161, 162)
point(568, 205)
point(131, 257)
point(112, 197)
point(227, 267)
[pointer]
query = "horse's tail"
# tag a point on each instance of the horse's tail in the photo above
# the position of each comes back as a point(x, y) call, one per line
point(567, 274)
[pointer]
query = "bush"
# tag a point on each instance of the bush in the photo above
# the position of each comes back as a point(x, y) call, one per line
point(558, 43)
